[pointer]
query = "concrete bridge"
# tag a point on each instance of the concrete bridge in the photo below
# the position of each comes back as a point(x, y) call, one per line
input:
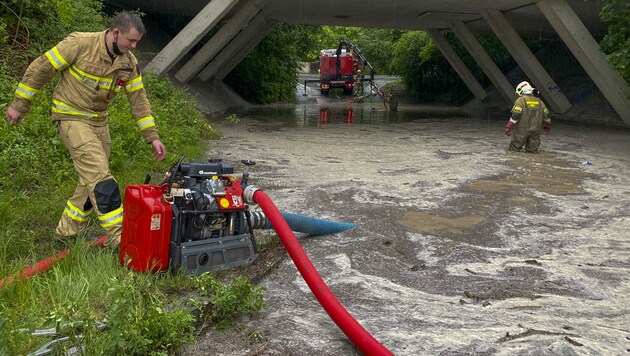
point(575, 22)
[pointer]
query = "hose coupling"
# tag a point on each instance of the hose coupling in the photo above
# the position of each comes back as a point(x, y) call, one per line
point(248, 194)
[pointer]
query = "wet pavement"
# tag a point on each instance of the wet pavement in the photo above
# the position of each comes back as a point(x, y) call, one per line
point(461, 248)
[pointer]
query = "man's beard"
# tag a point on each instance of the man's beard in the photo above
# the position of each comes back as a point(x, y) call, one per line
point(115, 47)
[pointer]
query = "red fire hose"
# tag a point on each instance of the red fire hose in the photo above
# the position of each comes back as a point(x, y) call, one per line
point(45, 264)
point(353, 330)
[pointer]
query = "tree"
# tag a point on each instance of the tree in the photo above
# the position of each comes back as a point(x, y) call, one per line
point(269, 73)
point(616, 44)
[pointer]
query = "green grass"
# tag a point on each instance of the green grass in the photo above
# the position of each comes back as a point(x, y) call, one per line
point(89, 286)
point(141, 311)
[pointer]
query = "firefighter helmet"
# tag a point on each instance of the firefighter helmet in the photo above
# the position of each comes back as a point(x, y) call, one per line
point(523, 88)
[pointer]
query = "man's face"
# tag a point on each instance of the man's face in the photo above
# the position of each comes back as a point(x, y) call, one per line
point(126, 40)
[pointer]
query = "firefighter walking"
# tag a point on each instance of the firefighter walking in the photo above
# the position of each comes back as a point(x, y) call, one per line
point(94, 67)
point(529, 118)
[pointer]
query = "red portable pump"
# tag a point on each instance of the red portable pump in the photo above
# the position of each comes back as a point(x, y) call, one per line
point(195, 220)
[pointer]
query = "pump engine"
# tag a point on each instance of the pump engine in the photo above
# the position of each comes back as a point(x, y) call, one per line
point(195, 220)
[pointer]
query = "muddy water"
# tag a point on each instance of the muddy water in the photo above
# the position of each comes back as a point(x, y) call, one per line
point(461, 248)
point(497, 195)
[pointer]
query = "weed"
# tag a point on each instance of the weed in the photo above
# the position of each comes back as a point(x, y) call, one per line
point(137, 320)
point(256, 336)
point(232, 118)
point(228, 302)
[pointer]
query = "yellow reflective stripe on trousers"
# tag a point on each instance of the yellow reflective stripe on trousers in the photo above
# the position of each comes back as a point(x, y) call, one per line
point(62, 108)
point(145, 123)
point(25, 91)
point(134, 84)
point(111, 218)
point(94, 81)
point(75, 213)
point(56, 59)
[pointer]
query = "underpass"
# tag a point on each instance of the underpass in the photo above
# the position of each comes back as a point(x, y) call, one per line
point(576, 23)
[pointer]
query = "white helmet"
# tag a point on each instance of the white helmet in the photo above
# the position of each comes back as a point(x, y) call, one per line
point(524, 88)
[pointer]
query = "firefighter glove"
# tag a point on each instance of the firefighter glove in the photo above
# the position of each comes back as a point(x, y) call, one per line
point(509, 127)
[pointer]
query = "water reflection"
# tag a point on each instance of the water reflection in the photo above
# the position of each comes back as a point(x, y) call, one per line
point(351, 114)
point(318, 115)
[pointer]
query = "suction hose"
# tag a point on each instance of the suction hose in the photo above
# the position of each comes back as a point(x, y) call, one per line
point(353, 330)
point(45, 264)
point(301, 223)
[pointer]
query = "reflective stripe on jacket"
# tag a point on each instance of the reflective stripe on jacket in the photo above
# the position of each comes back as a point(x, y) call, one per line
point(89, 82)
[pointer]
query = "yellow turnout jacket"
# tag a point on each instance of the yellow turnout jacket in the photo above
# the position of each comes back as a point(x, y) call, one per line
point(90, 80)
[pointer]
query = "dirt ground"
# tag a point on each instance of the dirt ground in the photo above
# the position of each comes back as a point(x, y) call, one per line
point(461, 247)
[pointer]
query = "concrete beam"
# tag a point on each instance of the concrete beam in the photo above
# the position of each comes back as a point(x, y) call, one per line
point(586, 50)
point(233, 61)
point(535, 72)
point(219, 40)
point(256, 25)
point(190, 35)
point(458, 65)
point(484, 61)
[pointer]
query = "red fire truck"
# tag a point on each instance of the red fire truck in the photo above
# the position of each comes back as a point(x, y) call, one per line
point(342, 68)
point(336, 71)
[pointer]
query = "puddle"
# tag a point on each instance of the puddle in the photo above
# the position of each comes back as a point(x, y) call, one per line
point(434, 224)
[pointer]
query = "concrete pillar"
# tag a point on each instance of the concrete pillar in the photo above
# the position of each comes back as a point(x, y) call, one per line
point(535, 72)
point(219, 40)
point(484, 61)
point(457, 64)
point(259, 24)
point(190, 35)
point(586, 50)
point(232, 62)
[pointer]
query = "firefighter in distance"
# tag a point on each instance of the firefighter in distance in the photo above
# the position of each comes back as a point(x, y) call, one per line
point(94, 68)
point(529, 118)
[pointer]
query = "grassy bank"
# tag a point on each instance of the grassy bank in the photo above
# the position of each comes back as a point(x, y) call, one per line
point(90, 286)
point(143, 313)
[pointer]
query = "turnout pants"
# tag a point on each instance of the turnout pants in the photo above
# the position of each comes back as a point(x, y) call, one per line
point(526, 133)
point(97, 190)
point(531, 141)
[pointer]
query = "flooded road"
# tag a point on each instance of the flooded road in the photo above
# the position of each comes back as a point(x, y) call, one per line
point(461, 248)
